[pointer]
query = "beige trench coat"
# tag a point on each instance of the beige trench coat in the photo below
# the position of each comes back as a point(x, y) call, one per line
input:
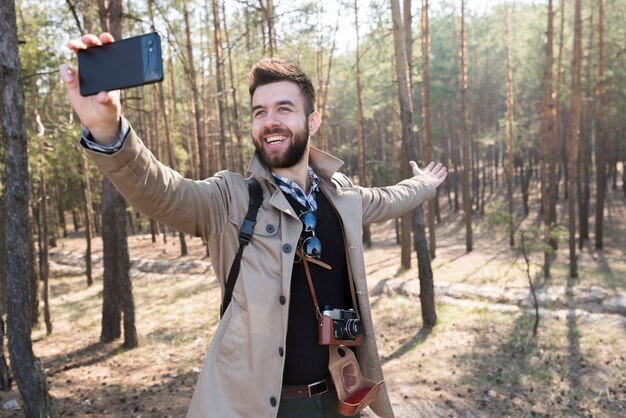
point(242, 372)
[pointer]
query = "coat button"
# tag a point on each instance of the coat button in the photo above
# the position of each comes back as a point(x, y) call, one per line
point(287, 248)
point(273, 401)
point(281, 352)
point(282, 300)
point(270, 229)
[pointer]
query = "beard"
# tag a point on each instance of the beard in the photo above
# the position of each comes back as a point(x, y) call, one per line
point(293, 155)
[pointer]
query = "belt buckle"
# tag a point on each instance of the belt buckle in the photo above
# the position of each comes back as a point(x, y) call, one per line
point(317, 388)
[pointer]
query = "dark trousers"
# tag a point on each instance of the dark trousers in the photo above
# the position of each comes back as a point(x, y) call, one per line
point(319, 406)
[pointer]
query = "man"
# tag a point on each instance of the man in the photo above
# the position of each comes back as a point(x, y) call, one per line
point(264, 360)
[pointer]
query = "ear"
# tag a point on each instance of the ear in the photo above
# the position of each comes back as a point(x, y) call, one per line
point(315, 121)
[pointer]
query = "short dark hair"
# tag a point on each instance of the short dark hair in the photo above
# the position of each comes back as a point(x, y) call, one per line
point(272, 70)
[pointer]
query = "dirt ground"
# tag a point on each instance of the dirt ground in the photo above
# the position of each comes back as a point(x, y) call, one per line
point(481, 359)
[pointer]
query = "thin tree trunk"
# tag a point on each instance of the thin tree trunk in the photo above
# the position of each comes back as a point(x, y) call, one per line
point(201, 142)
point(600, 135)
point(219, 81)
point(26, 367)
point(86, 195)
point(426, 131)
point(235, 117)
point(548, 133)
point(427, 292)
point(43, 245)
point(584, 149)
point(360, 136)
point(117, 290)
point(573, 139)
point(467, 205)
point(509, 107)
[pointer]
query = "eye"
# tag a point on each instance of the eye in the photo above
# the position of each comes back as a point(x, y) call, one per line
point(284, 109)
point(258, 113)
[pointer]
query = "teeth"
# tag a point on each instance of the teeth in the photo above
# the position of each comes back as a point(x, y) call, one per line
point(274, 139)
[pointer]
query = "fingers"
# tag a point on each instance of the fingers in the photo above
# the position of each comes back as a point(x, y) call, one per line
point(89, 40)
point(69, 75)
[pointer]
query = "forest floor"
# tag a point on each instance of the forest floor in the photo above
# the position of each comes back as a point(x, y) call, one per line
point(481, 359)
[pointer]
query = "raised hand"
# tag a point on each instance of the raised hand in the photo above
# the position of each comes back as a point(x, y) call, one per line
point(435, 173)
point(100, 113)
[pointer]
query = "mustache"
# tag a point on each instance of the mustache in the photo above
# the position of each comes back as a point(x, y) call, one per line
point(276, 131)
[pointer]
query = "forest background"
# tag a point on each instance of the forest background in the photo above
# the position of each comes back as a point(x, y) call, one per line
point(523, 101)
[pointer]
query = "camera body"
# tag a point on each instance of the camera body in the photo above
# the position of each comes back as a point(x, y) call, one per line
point(340, 327)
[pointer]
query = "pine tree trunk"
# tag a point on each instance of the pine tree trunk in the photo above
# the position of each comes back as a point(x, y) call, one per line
point(600, 135)
point(427, 299)
point(43, 246)
point(467, 205)
point(574, 138)
point(360, 136)
point(220, 84)
point(509, 107)
point(86, 194)
point(201, 142)
point(426, 131)
point(26, 367)
point(547, 138)
point(117, 290)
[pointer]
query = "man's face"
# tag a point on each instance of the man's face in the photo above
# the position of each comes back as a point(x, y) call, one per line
point(280, 129)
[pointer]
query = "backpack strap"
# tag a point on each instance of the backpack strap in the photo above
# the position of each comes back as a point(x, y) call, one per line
point(245, 234)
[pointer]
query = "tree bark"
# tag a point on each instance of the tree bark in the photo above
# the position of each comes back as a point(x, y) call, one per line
point(43, 245)
point(18, 239)
point(360, 136)
point(547, 138)
point(573, 139)
point(467, 200)
point(117, 289)
point(86, 195)
point(427, 292)
point(600, 135)
point(509, 112)
point(220, 84)
point(426, 128)
point(201, 142)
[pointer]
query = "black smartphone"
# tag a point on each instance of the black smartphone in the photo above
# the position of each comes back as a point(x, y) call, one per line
point(122, 64)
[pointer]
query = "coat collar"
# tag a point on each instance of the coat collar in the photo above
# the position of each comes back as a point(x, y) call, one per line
point(323, 164)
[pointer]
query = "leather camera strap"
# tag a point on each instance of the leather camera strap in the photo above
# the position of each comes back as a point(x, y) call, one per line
point(306, 260)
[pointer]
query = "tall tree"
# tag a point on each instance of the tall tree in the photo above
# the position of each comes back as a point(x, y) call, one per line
point(360, 136)
point(266, 7)
point(548, 137)
point(26, 367)
point(573, 138)
point(117, 295)
point(426, 128)
point(43, 244)
point(467, 204)
point(200, 139)
point(600, 134)
point(509, 124)
point(427, 290)
point(220, 83)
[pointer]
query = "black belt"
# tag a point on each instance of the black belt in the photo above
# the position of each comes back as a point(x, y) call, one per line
point(307, 391)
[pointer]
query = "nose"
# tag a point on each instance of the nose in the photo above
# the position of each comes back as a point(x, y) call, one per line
point(271, 120)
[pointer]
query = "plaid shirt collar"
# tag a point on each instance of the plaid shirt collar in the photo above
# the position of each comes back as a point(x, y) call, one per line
point(291, 188)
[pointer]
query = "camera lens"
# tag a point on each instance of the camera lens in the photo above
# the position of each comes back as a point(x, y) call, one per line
point(352, 328)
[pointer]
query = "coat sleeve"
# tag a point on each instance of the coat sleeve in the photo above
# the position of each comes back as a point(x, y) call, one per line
point(195, 207)
point(382, 203)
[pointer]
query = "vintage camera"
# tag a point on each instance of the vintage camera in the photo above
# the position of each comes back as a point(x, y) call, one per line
point(340, 327)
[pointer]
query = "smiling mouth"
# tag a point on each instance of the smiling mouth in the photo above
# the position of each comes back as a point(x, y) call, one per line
point(275, 139)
